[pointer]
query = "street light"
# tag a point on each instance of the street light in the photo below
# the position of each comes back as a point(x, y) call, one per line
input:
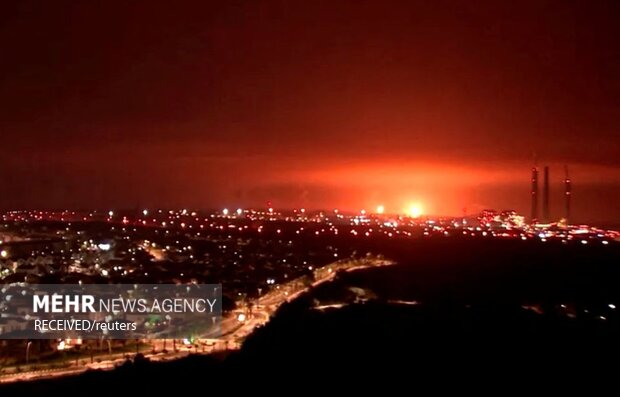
point(258, 299)
point(28, 351)
point(109, 345)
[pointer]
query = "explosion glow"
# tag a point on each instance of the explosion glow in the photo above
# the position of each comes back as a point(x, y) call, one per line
point(415, 210)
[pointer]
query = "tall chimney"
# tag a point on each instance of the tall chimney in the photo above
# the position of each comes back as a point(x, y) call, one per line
point(534, 194)
point(545, 211)
point(567, 194)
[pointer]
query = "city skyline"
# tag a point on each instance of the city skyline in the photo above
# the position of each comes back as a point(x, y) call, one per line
point(555, 203)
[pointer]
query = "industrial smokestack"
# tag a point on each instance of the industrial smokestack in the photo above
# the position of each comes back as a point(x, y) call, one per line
point(567, 194)
point(545, 211)
point(534, 194)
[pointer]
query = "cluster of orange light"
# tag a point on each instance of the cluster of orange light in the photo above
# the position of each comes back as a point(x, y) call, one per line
point(414, 210)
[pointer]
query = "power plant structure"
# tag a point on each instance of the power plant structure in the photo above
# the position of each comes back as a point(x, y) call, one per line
point(545, 209)
point(567, 194)
point(534, 192)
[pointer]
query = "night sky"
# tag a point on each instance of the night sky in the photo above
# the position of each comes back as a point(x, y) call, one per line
point(315, 104)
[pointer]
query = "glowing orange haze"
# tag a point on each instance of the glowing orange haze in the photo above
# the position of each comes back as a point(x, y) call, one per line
point(201, 178)
point(398, 187)
point(438, 188)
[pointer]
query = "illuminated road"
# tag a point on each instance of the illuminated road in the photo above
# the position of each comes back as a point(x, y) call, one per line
point(233, 330)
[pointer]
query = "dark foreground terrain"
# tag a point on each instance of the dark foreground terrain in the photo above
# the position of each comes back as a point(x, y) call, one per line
point(450, 306)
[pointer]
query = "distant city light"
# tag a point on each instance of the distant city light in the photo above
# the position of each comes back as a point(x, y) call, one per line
point(239, 211)
point(380, 209)
point(241, 317)
point(4, 254)
point(110, 214)
point(225, 211)
point(363, 212)
point(104, 246)
point(145, 212)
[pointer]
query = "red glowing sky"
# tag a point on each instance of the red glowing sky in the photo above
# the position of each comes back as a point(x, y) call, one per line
point(321, 104)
